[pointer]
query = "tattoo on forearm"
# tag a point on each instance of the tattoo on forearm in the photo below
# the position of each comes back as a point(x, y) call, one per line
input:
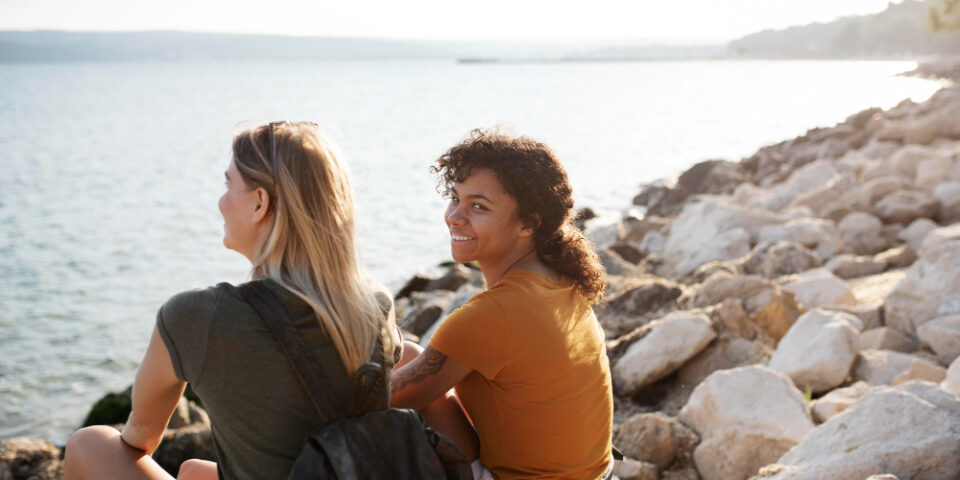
point(427, 363)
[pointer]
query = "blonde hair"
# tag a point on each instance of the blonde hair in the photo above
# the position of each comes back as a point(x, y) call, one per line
point(311, 247)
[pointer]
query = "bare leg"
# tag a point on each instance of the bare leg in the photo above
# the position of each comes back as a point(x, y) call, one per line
point(97, 453)
point(195, 469)
point(445, 414)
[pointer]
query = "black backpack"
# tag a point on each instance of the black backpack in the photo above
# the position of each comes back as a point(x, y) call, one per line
point(371, 441)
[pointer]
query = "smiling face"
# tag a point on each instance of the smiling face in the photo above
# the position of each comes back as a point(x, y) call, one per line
point(240, 206)
point(483, 222)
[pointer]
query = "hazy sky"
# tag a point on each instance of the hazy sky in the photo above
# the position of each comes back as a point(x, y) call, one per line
point(677, 20)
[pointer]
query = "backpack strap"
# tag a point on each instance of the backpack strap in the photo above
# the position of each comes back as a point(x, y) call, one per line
point(294, 347)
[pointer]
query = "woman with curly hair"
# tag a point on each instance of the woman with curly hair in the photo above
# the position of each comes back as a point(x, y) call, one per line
point(527, 355)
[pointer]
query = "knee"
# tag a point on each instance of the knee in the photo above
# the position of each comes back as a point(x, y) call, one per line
point(410, 351)
point(197, 469)
point(84, 444)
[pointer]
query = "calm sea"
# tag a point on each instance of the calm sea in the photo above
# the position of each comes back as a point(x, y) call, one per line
point(110, 174)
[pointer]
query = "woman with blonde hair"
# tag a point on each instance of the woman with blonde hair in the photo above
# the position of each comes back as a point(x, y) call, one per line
point(288, 208)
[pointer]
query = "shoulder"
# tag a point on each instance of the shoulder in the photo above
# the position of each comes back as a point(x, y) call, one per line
point(196, 304)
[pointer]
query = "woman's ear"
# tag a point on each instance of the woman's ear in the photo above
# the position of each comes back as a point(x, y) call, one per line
point(261, 210)
point(530, 225)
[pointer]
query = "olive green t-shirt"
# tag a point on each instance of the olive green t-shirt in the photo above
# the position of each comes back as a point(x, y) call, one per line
point(259, 412)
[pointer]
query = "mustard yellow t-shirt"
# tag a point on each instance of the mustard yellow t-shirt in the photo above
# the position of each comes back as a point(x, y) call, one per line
point(540, 394)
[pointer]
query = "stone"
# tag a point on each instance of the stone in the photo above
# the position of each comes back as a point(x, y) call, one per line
point(877, 148)
point(860, 232)
point(605, 235)
point(772, 260)
point(948, 194)
point(930, 289)
point(808, 177)
point(910, 431)
point(672, 340)
point(917, 231)
point(820, 288)
point(613, 263)
point(848, 266)
point(629, 469)
point(654, 438)
point(770, 307)
point(883, 338)
point(628, 252)
point(653, 242)
point(741, 430)
point(710, 230)
point(837, 401)
point(809, 232)
point(906, 159)
point(819, 349)
point(456, 275)
point(870, 315)
point(942, 335)
point(425, 310)
point(921, 371)
point(940, 236)
point(951, 383)
point(898, 257)
point(722, 354)
point(182, 444)
point(29, 459)
point(111, 409)
point(905, 206)
point(871, 191)
point(649, 297)
point(931, 171)
point(881, 367)
point(635, 229)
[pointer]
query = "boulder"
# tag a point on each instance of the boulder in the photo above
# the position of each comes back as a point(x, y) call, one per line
point(948, 194)
point(926, 371)
point(905, 206)
point(930, 289)
point(906, 159)
point(870, 192)
point(883, 338)
point(820, 288)
point(939, 236)
point(711, 230)
point(931, 171)
point(881, 367)
point(672, 341)
point(848, 266)
point(860, 232)
point(654, 438)
point(182, 444)
point(819, 349)
point(910, 431)
point(741, 430)
point(772, 308)
point(898, 257)
point(876, 148)
point(808, 177)
point(628, 251)
point(917, 231)
point(871, 316)
point(772, 260)
point(814, 233)
point(613, 263)
point(708, 177)
point(635, 229)
point(629, 469)
point(951, 382)
point(722, 354)
point(942, 335)
point(29, 459)
point(647, 297)
point(837, 401)
point(425, 309)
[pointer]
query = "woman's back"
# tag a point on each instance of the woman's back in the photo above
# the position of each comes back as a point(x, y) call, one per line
point(259, 411)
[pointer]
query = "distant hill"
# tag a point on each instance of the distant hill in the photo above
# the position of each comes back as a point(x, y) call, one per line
point(899, 31)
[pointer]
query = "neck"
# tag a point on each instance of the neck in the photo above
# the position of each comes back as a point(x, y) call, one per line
point(522, 258)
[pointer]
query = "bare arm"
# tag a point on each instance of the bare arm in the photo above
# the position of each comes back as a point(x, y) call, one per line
point(425, 379)
point(156, 391)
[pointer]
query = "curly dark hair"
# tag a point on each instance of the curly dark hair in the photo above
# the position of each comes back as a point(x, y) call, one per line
point(530, 172)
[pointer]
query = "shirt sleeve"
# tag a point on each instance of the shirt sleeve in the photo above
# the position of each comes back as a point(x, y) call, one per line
point(183, 323)
point(477, 335)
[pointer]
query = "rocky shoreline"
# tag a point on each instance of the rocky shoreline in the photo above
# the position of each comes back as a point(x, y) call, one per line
point(795, 315)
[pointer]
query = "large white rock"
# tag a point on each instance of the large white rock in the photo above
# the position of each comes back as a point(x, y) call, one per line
point(673, 340)
point(820, 288)
point(952, 382)
point(746, 417)
point(917, 231)
point(808, 177)
point(819, 349)
point(809, 232)
point(848, 266)
point(931, 171)
point(930, 289)
point(948, 194)
point(906, 159)
point(905, 206)
point(884, 338)
point(940, 236)
point(838, 400)
point(911, 431)
point(861, 233)
point(711, 230)
point(942, 335)
point(883, 367)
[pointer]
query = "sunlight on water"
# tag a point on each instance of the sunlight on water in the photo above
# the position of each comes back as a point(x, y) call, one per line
point(111, 174)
